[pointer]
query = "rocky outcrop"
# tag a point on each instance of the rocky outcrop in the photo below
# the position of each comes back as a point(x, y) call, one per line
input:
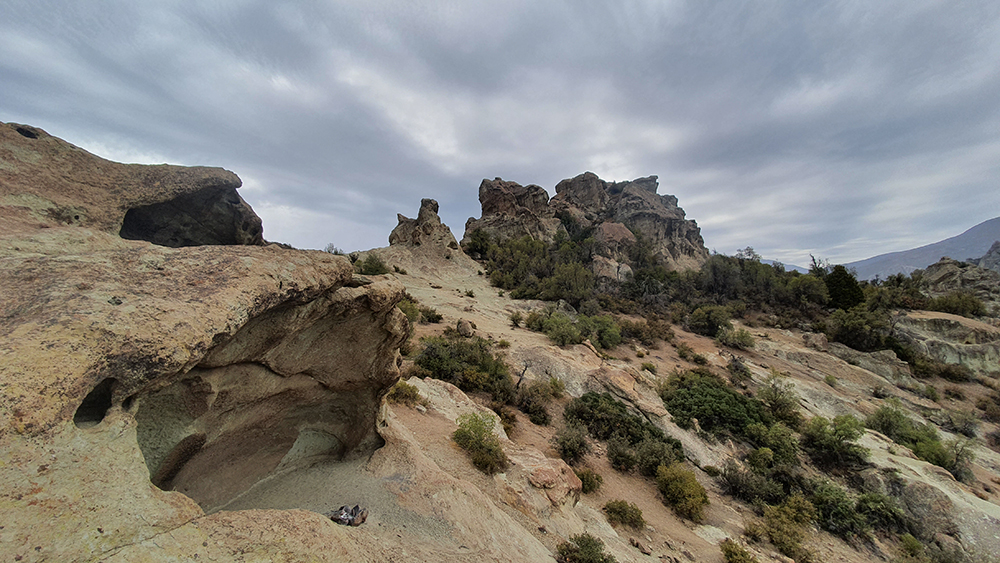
point(132, 370)
point(952, 339)
point(46, 182)
point(426, 229)
point(511, 210)
point(612, 209)
point(947, 275)
point(991, 260)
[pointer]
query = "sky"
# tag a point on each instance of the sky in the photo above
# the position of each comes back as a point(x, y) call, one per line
point(841, 129)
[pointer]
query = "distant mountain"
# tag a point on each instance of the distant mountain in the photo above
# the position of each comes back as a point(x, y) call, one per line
point(973, 243)
point(788, 267)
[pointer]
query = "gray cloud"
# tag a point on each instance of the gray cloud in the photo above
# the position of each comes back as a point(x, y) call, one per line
point(839, 129)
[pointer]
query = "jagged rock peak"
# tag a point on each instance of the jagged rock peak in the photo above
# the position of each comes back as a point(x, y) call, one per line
point(164, 204)
point(991, 260)
point(511, 210)
point(426, 229)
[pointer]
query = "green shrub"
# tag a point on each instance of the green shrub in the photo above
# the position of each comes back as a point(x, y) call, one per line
point(923, 439)
point(475, 436)
point(405, 394)
point(739, 372)
point(516, 318)
point(430, 315)
point(778, 438)
point(371, 265)
point(836, 512)
point(700, 394)
point(684, 351)
point(859, 328)
point(779, 398)
point(709, 320)
point(959, 302)
point(622, 513)
point(583, 548)
point(571, 443)
point(833, 443)
point(733, 552)
point(682, 491)
point(604, 417)
point(786, 526)
point(469, 364)
point(647, 331)
point(750, 486)
point(533, 400)
point(882, 512)
point(650, 367)
point(590, 479)
point(621, 455)
point(830, 380)
point(409, 308)
point(740, 339)
point(650, 454)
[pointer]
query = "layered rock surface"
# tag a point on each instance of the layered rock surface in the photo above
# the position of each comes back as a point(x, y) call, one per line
point(614, 209)
point(203, 369)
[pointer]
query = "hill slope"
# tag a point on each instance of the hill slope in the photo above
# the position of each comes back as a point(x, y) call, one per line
point(973, 243)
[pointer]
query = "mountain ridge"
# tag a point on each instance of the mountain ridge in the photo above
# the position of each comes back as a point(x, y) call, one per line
point(973, 243)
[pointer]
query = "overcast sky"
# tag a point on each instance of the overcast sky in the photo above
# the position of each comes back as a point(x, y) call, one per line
point(841, 129)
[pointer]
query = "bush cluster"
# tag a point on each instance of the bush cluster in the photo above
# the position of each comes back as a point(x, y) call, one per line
point(602, 330)
point(475, 436)
point(590, 480)
point(700, 394)
point(922, 439)
point(710, 320)
point(583, 548)
point(741, 339)
point(622, 513)
point(682, 491)
point(371, 265)
point(961, 303)
point(468, 363)
point(571, 443)
point(733, 552)
point(832, 443)
point(533, 399)
point(405, 394)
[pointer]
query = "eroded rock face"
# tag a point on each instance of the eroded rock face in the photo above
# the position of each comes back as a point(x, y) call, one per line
point(426, 229)
point(953, 339)
point(203, 369)
point(614, 209)
point(47, 182)
point(511, 210)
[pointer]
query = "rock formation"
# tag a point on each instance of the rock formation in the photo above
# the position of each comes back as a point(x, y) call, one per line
point(991, 260)
point(511, 210)
point(202, 369)
point(613, 209)
point(947, 275)
point(425, 229)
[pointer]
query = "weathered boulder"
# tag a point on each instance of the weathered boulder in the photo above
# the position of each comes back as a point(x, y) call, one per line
point(47, 182)
point(204, 369)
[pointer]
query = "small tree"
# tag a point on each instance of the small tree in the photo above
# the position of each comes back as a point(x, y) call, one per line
point(682, 491)
point(843, 287)
point(833, 444)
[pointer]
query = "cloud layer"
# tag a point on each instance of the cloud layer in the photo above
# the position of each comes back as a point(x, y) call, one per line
point(841, 129)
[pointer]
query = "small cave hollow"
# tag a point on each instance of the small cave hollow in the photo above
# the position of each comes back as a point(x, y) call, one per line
point(96, 404)
point(218, 432)
point(210, 216)
point(25, 132)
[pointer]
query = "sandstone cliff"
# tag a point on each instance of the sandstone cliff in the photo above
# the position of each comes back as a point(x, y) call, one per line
point(613, 209)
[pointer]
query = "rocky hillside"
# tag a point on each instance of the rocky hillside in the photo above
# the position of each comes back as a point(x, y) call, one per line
point(613, 210)
point(196, 394)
